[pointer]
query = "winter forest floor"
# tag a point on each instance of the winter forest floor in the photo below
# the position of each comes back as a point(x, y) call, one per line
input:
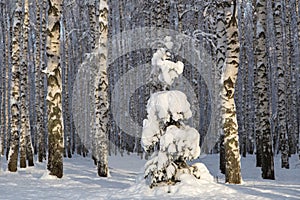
point(125, 182)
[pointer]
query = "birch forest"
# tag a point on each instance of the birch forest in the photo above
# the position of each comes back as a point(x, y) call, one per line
point(74, 77)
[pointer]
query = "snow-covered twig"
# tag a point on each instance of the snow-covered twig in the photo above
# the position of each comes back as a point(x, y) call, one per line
point(207, 36)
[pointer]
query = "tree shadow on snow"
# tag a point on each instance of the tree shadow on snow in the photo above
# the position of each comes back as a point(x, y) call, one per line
point(268, 190)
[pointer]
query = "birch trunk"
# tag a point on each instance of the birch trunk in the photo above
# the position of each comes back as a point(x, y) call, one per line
point(229, 76)
point(281, 70)
point(242, 81)
point(290, 79)
point(258, 136)
point(221, 54)
point(15, 90)
point(26, 150)
point(296, 70)
point(7, 76)
point(2, 74)
point(9, 18)
point(67, 123)
point(263, 128)
point(252, 65)
point(101, 98)
point(54, 96)
point(298, 74)
point(39, 78)
point(92, 21)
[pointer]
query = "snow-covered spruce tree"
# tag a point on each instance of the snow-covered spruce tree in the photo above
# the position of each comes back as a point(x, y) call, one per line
point(164, 130)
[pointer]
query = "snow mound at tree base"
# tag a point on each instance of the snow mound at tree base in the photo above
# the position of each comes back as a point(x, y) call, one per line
point(201, 172)
point(189, 186)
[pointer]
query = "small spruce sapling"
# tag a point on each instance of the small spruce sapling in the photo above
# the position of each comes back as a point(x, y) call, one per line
point(164, 131)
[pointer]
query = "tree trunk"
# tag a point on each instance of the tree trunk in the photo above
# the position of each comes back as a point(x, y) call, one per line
point(291, 81)
point(295, 22)
point(263, 129)
point(92, 9)
point(258, 136)
point(242, 82)
point(66, 99)
point(2, 78)
point(54, 96)
point(221, 54)
point(282, 87)
point(229, 76)
point(101, 98)
point(39, 79)
point(15, 90)
point(26, 150)
point(29, 147)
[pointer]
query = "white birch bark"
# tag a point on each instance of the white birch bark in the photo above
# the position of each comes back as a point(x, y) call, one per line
point(263, 128)
point(297, 8)
point(294, 4)
point(221, 54)
point(26, 150)
point(2, 78)
point(93, 23)
point(282, 87)
point(41, 77)
point(101, 98)
point(229, 76)
point(291, 81)
point(8, 76)
point(242, 81)
point(15, 90)
point(66, 89)
point(54, 96)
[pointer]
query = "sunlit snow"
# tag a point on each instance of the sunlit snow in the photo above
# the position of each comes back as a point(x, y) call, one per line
point(80, 181)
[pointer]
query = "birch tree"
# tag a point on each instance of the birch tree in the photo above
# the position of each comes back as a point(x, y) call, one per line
point(2, 78)
point(15, 90)
point(101, 98)
point(262, 113)
point(7, 74)
point(296, 71)
point(290, 80)
point(40, 35)
point(229, 76)
point(282, 87)
point(54, 95)
point(297, 24)
point(242, 81)
point(26, 150)
point(92, 11)
point(2, 74)
point(66, 99)
point(249, 40)
point(221, 54)
point(258, 139)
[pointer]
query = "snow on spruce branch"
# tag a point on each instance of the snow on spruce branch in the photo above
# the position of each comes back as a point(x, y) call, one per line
point(164, 130)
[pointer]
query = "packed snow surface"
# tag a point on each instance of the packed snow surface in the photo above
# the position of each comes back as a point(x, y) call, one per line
point(80, 181)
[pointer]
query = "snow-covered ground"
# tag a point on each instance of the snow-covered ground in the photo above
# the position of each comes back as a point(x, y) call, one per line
point(126, 182)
